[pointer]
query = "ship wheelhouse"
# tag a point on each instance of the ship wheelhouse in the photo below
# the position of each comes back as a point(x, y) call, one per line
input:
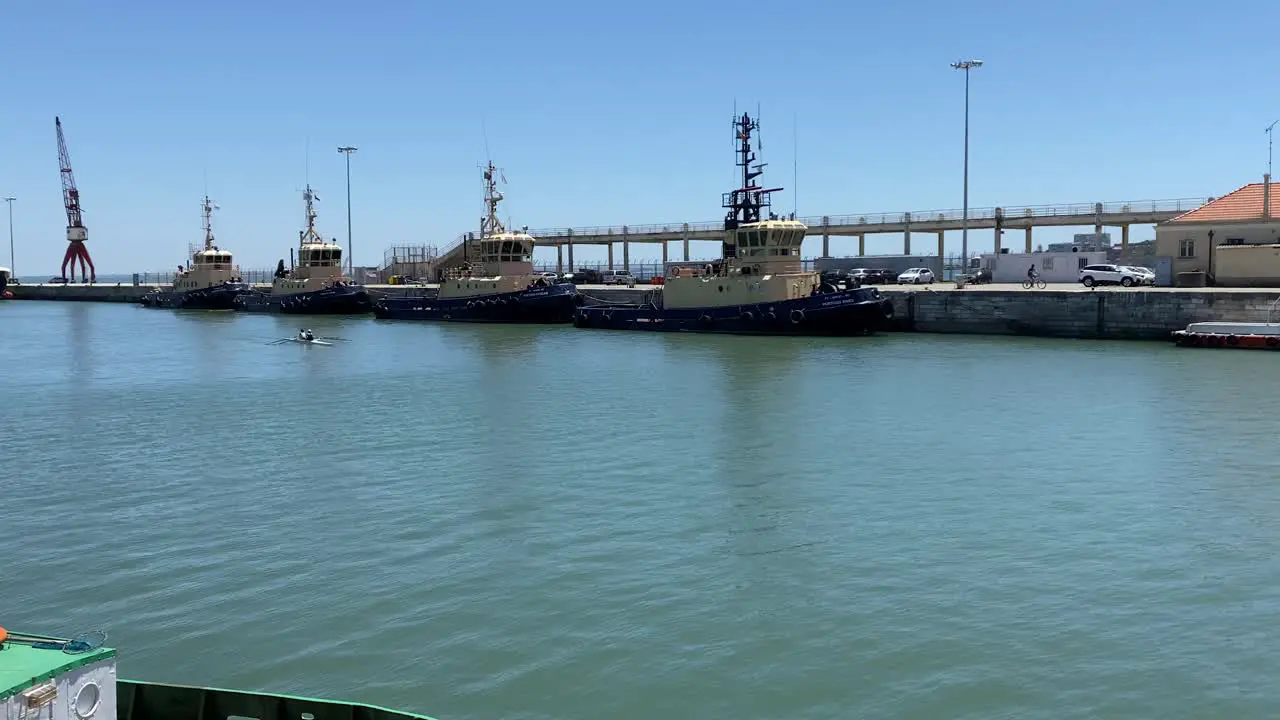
point(209, 267)
point(213, 258)
point(506, 248)
point(772, 244)
point(320, 255)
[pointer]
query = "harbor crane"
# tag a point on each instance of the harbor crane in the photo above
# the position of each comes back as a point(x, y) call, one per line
point(77, 234)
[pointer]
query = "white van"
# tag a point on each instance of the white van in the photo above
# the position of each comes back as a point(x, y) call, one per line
point(617, 277)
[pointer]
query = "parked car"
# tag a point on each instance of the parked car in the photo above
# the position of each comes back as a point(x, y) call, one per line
point(873, 276)
point(862, 276)
point(1149, 275)
point(916, 276)
point(550, 277)
point(618, 277)
point(582, 276)
point(1091, 275)
point(979, 277)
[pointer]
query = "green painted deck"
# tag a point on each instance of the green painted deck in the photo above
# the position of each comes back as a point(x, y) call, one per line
point(22, 666)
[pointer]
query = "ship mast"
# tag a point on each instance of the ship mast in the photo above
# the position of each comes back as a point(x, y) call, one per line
point(209, 207)
point(490, 224)
point(310, 234)
point(747, 201)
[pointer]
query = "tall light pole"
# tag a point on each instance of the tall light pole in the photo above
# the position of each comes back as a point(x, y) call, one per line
point(12, 265)
point(1269, 146)
point(351, 261)
point(966, 66)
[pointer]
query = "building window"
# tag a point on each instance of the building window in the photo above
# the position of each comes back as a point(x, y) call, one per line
point(1235, 241)
point(1187, 248)
point(1048, 263)
point(1081, 263)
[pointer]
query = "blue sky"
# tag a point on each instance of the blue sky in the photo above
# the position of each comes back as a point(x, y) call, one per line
point(606, 113)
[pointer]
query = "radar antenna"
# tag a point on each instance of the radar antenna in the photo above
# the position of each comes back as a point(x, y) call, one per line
point(490, 224)
point(310, 234)
point(209, 207)
point(749, 199)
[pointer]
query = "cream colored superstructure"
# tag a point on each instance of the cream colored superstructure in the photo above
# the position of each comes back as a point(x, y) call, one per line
point(319, 260)
point(208, 267)
point(498, 261)
point(504, 263)
point(766, 267)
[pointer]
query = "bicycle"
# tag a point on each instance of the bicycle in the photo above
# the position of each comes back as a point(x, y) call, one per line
point(1036, 282)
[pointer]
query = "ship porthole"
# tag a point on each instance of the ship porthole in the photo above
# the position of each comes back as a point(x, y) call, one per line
point(86, 701)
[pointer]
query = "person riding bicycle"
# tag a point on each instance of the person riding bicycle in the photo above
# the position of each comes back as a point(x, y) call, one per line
point(1032, 275)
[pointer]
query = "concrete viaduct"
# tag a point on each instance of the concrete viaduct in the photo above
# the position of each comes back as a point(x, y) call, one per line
point(1099, 215)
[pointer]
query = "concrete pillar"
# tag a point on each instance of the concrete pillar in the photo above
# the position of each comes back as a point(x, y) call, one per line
point(1097, 219)
point(626, 250)
point(1124, 241)
point(610, 255)
point(998, 232)
point(559, 259)
point(1028, 239)
point(862, 244)
point(826, 237)
point(569, 233)
point(942, 247)
point(906, 234)
point(664, 253)
point(686, 242)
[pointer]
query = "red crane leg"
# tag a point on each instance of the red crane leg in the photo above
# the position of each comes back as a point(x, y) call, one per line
point(85, 259)
point(77, 251)
point(69, 257)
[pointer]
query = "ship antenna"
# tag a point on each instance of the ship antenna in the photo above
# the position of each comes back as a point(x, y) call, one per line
point(759, 135)
point(795, 168)
point(490, 224)
point(209, 207)
point(748, 199)
point(310, 233)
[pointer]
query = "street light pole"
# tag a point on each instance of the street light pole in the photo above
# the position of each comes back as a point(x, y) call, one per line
point(351, 261)
point(966, 66)
point(1269, 146)
point(12, 265)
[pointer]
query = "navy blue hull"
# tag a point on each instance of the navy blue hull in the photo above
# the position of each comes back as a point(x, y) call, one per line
point(860, 311)
point(218, 297)
point(544, 305)
point(339, 300)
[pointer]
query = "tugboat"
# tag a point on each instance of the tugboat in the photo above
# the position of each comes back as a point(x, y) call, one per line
point(758, 286)
point(317, 286)
point(496, 285)
point(53, 678)
point(209, 282)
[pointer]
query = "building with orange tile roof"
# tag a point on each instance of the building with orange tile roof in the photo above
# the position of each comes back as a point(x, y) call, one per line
point(1234, 240)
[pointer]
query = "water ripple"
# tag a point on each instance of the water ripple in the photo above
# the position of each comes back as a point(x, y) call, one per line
point(549, 523)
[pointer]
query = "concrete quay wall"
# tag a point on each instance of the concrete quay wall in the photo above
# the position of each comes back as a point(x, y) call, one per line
point(130, 293)
point(1060, 311)
point(1119, 315)
point(115, 292)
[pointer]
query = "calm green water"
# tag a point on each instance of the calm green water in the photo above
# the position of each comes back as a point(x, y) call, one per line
point(505, 522)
